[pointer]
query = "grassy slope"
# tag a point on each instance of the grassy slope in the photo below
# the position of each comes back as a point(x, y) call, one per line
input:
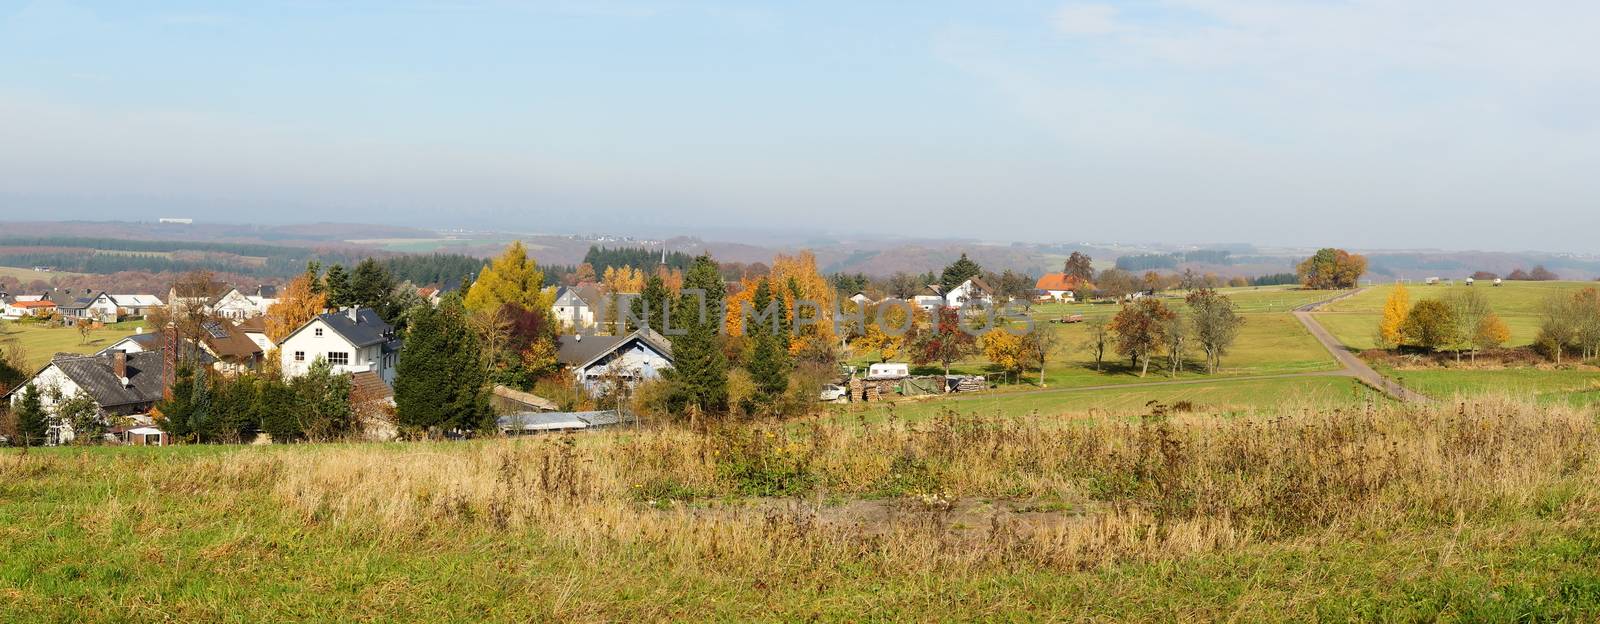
point(1212, 395)
point(250, 534)
point(40, 343)
point(1354, 321)
point(1270, 342)
point(1572, 386)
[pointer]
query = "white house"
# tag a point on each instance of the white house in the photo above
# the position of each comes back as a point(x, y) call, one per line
point(121, 384)
point(265, 297)
point(576, 307)
point(234, 305)
point(92, 307)
point(596, 361)
point(353, 340)
point(255, 328)
point(1061, 287)
point(860, 298)
point(974, 291)
point(138, 306)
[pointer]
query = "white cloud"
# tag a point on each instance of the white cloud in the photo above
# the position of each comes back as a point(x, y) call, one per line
point(1087, 20)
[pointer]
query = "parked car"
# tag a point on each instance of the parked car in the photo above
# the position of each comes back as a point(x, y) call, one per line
point(832, 392)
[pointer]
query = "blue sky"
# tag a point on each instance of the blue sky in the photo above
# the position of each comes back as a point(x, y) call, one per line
point(1464, 124)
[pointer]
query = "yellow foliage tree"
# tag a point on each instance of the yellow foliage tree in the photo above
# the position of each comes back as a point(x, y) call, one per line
point(1395, 311)
point(298, 304)
point(798, 279)
point(1005, 349)
point(1492, 333)
point(512, 278)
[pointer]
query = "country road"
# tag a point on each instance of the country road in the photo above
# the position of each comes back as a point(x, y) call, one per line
point(1347, 359)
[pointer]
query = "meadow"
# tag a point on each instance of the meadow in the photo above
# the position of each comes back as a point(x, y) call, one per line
point(1482, 511)
point(40, 343)
point(1354, 321)
point(1271, 342)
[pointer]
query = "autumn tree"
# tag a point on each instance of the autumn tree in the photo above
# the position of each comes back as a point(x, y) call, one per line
point(512, 277)
point(1140, 329)
point(1468, 307)
point(959, 271)
point(1558, 327)
point(1391, 327)
point(1004, 349)
point(1491, 333)
point(1175, 340)
point(1586, 332)
point(886, 330)
point(1332, 268)
point(1079, 265)
point(1116, 284)
point(1216, 322)
point(1431, 325)
point(1099, 339)
point(945, 342)
point(1038, 345)
point(298, 303)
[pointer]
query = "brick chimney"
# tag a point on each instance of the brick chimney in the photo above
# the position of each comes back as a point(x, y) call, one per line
point(119, 365)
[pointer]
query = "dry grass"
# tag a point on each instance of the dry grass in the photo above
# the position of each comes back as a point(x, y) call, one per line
point(815, 507)
point(1160, 488)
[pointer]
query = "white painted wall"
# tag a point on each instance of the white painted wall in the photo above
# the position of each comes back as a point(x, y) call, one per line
point(312, 346)
point(50, 383)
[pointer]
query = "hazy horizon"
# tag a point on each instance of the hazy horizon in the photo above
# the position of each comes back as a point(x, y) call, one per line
point(1460, 126)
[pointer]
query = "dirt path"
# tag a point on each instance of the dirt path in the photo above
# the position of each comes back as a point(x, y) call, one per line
point(1347, 358)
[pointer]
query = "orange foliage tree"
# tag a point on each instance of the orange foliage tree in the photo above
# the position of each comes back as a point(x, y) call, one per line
point(297, 305)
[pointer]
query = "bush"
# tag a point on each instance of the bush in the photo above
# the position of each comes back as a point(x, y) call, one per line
point(762, 463)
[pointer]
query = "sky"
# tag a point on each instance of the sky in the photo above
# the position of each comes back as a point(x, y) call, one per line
point(1459, 124)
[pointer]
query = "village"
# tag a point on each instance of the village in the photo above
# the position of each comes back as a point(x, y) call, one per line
point(353, 355)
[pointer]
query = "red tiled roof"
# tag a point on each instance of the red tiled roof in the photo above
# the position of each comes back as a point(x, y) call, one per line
point(1059, 281)
point(33, 304)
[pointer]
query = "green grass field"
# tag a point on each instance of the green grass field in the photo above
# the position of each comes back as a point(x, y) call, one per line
point(1354, 321)
point(1570, 386)
point(40, 343)
point(1219, 395)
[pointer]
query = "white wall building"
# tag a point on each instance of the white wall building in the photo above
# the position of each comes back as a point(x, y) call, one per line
point(353, 340)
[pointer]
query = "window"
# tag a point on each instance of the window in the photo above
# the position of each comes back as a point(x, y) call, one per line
point(338, 358)
point(318, 332)
point(299, 356)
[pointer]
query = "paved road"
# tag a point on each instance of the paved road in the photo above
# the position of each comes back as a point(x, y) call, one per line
point(1353, 365)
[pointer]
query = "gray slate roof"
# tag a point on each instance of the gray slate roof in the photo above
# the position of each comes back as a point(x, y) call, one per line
point(93, 374)
point(366, 330)
point(578, 350)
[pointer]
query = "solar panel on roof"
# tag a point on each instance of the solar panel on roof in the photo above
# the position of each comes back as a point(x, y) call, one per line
point(216, 330)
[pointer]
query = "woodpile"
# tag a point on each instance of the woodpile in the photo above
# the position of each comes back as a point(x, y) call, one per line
point(966, 383)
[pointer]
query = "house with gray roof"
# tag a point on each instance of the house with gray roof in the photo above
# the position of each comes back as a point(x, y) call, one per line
point(121, 384)
point(596, 361)
point(352, 340)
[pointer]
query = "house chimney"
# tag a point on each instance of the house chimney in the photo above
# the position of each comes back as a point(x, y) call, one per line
point(119, 365)
point(354, 317)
